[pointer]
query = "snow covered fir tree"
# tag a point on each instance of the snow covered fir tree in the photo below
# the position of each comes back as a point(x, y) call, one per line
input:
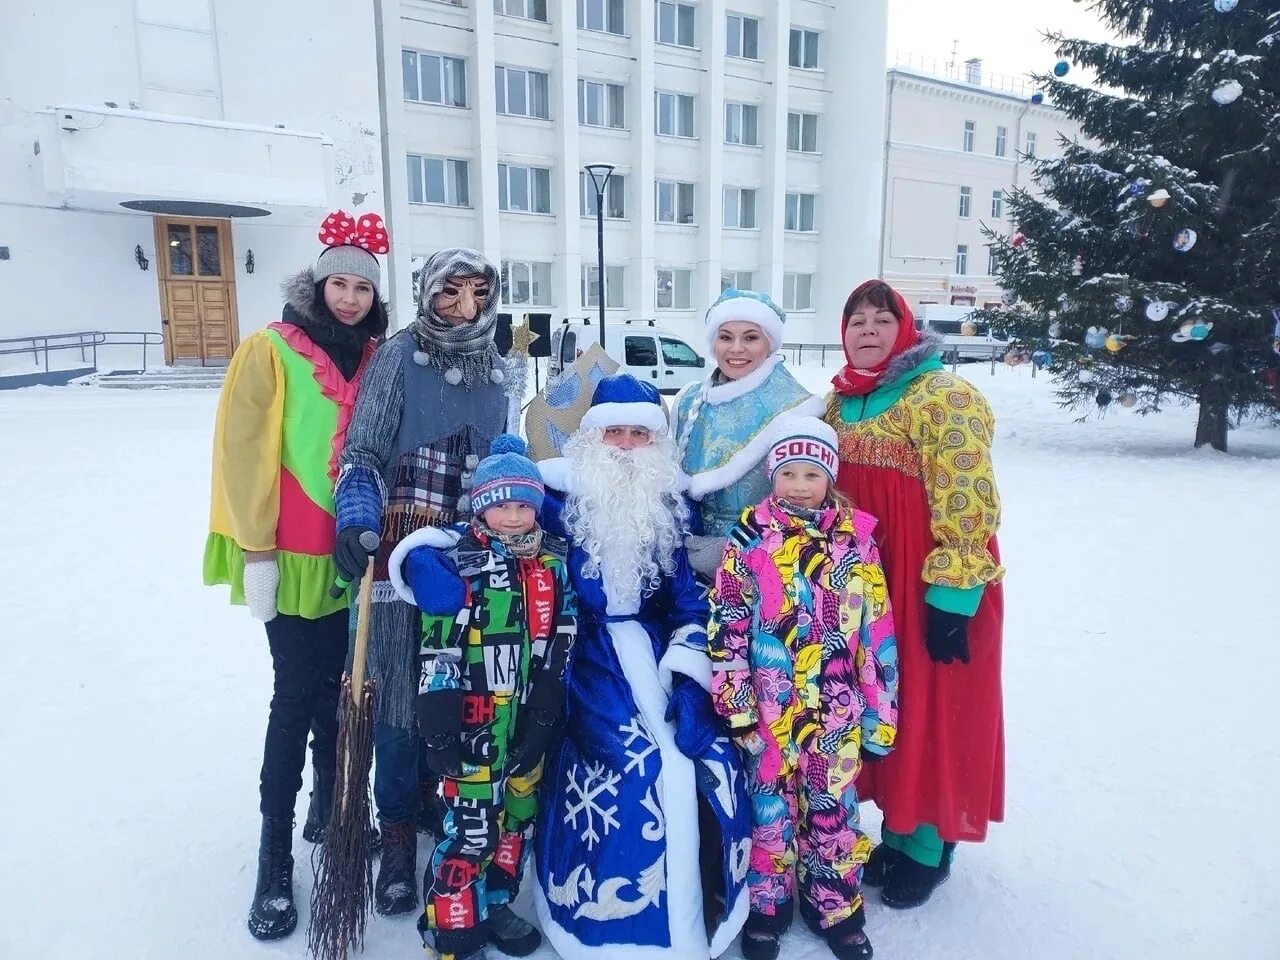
point(1148, 268)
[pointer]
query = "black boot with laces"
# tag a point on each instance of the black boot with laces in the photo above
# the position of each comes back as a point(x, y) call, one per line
point(273, 914)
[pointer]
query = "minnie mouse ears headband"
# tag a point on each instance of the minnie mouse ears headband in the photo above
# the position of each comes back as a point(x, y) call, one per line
point(350, 245)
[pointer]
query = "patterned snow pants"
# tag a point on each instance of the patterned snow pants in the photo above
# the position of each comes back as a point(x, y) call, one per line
point(488, 826)
point(804, 814)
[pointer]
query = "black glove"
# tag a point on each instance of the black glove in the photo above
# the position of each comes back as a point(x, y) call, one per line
point(350, 555)
point(443, 755)
point(536, 733)
point(946, 635)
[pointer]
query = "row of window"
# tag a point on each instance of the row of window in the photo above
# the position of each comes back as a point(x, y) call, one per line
point(435, 78)
point(674, 23)
point(966, 203)
point(528, 284)
point(970, 140)
point(962, 260)
point(527, 189)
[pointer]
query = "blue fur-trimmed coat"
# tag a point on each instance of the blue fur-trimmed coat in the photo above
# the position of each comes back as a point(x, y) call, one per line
point(617, 840)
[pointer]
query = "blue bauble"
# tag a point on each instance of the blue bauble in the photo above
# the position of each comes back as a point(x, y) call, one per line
point(1038, 97)
point(1060, 68)
point(1041, 358)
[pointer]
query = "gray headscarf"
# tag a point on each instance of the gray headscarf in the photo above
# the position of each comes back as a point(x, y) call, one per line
point(464, 354)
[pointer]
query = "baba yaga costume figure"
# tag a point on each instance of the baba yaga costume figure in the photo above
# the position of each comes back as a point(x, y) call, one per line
point(431, 403)
point(643, 831)
point(806, 668)
point(498, 627)
point(282, 416)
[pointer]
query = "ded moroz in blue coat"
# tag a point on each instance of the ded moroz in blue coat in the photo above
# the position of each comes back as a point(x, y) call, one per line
point(617, 841)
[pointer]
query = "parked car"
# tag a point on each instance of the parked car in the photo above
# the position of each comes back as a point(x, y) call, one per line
point(965, 339)
point(645, 350)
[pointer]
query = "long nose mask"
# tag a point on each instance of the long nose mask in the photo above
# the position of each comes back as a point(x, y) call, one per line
point(461, 298)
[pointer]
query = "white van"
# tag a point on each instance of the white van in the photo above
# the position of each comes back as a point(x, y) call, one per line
point(646, 351)
point(965, 339)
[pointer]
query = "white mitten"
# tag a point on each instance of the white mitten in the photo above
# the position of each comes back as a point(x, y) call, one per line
point(261, 580)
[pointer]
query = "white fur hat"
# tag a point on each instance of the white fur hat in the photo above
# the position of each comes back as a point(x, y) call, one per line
point(746, 306)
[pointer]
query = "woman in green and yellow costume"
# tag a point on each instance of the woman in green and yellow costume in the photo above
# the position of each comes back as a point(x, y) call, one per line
point(282, 418)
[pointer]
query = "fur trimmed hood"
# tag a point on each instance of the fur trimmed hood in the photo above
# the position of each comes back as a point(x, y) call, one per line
point(930, 343)
point(299, 291)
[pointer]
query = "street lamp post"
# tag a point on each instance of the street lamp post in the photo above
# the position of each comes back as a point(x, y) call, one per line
point(600, 173)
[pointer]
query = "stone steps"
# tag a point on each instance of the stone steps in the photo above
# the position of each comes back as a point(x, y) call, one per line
point(165, 378)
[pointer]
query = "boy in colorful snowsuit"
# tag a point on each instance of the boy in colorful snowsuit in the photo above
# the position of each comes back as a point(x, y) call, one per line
point(498, 626)
point(805, 674)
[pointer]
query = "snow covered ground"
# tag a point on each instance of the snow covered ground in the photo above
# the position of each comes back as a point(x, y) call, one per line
point(1141, 657)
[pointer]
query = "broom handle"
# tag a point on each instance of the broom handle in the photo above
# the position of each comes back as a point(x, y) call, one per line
point(362, 634)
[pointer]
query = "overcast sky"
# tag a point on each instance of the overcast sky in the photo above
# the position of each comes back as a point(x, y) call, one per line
point(1004, 33)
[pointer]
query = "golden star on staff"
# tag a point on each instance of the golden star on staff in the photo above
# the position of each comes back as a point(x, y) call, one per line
point(522, 339)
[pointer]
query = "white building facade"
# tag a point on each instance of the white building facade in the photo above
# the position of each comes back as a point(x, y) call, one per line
point(954, 151)
point(165, 163)
point(746, 138)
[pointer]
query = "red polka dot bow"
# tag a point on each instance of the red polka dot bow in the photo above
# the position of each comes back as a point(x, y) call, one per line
point(367, 231)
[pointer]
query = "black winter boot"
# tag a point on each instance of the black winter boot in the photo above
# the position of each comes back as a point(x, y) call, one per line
point(853, 945)
point(395, 890)
point(762, 933)
point(320, 806)
point(912, 883)
point(511, 933)
point(880, 865)
point(272, 914)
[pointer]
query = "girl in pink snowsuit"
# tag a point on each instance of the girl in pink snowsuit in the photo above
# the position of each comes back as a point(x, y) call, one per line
point(805, 674)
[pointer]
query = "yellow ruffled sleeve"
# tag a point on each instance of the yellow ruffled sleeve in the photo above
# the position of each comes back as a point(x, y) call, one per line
point(954, 434)
point(245, 490)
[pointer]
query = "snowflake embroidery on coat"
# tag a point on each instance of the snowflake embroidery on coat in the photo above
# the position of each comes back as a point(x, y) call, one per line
point(595, 782)
point(634, 730)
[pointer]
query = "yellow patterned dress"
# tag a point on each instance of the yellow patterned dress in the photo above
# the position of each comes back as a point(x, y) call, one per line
point(915, 452)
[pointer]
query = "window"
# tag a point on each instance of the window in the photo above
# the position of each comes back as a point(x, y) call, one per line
point(736, 280)
point(677, 353)
point(803, 50)
point(741, 124)
point(797, 291)
point(639, 352)
point(1002, 141)
point(438, 180)
point(601, 104)
point(527, 9)
point(970, 134)
point(966, 202)
point(991, 261)
point(997, 204)
point(802, 132)
point(615, 205)
point(674, 23)
point(432, 78)
point(673, 202)
point(740, 207)
point(524, 189)
point(742, 37)
point(674, 114)
point(1031, 145)
point(673, 289)
point(605, 16)
point(523, 93)
point(799, 215)
point(615, 286)
point(526, 284)
point(962, 259)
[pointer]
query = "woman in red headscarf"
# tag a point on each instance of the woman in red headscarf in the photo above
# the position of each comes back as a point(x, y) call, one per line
point(915, 445)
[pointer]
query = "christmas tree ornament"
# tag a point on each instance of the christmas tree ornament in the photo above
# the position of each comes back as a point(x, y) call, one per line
point(1061, 68)
point(1013, 357)
point(1137, 188)
point(1055, 330)
point(1008, 298)
point(1077, 266)
point(1219, 348)
point(1117, 342)
point(1095, 338)
point(1041, 358)
point(1085, 376)
point(1017, 240)
point(1192, 330)
point(1224, 6)
point(1159, 198)
point(1157, 310)
point(1275, 333)
point(968, 329)
point(1103, 399)
point(1038, 97)
point(1227, 92)
point(1124, 304)
point(1184, 240)
point(1128, 400)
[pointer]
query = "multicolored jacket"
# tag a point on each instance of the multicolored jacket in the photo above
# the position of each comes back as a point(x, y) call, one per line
point(282, 420)
point(496, 651)
point(801, 635)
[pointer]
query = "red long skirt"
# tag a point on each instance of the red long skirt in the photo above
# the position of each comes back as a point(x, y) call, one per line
point(947, 766)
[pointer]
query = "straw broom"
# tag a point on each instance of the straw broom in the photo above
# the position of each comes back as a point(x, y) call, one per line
point(342, 864)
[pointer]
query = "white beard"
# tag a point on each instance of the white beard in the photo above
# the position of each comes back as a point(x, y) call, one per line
point(626, 513)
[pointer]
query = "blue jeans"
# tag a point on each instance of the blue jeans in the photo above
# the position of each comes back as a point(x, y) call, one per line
point(395, 773)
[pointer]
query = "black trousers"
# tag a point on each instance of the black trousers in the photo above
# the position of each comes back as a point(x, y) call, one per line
point(308, 657)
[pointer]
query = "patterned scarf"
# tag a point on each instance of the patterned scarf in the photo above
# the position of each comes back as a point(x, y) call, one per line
point(468, 348)
point(520, 545)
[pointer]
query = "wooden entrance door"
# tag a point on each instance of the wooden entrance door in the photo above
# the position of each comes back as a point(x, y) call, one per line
point(197, 290)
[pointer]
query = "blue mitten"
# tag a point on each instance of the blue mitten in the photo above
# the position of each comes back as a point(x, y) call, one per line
point(431, 575)
point(694, 716)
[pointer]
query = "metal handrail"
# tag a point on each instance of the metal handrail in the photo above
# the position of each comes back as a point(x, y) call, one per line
point(81, 340)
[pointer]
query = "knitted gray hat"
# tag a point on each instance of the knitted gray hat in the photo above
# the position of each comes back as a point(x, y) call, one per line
point(351, 243)
point(348, 259)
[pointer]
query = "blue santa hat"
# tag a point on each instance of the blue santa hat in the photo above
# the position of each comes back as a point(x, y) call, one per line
point(746, 306)
point(623, 401)
point(506, 475)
